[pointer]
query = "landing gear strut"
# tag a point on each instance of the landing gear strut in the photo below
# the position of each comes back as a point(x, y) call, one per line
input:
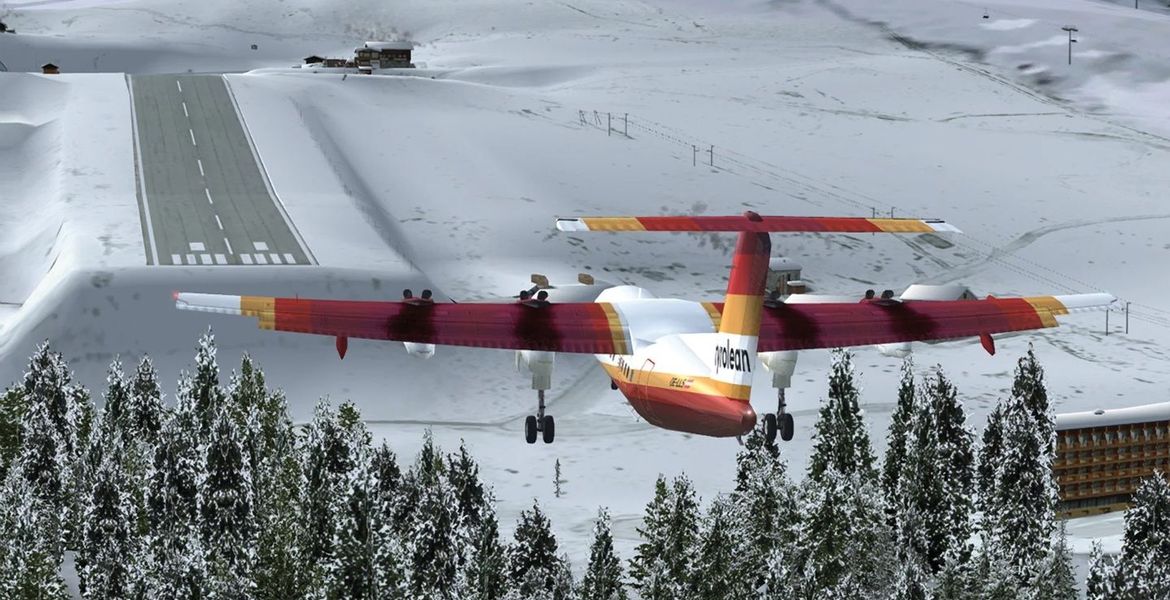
point(539, 422)
point(780, 421)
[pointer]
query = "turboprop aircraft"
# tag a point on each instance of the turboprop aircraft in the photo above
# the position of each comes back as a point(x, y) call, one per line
point(683, 365)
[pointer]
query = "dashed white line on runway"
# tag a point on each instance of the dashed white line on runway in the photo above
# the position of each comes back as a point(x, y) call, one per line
point(218, 222)
point(185, 113)
point(180, 86)
point(229, 245)
point(200, 161)
point(207, 192)
point(192, 132)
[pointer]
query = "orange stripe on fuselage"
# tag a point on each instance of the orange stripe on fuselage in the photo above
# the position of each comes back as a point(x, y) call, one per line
point(1047, 307)
point(713, 313)
point(613, 224)
point(901, 226)
point(261, 307)
point(742, 314)
point(680, 383)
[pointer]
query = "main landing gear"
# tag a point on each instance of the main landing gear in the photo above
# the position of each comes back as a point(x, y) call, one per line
point(780, 421)
point(539, 422)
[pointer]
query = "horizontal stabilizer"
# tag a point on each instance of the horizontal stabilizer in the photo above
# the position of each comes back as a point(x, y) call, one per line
point(753, 222)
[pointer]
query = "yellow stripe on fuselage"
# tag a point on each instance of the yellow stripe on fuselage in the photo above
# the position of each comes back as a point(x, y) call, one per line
point(1047, 307)
point(713, 313)
point(741, 315)
point(261, 307)
point(681, 383)
point(621, 343)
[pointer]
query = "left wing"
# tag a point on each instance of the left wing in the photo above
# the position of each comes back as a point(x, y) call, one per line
point(834, 325)
point(576, 327)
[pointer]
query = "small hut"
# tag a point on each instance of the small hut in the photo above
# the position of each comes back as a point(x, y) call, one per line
point(314, 60)
point(50, 69)
point(387, 55)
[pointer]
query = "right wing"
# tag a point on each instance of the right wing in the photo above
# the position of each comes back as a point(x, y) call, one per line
point(835, 325)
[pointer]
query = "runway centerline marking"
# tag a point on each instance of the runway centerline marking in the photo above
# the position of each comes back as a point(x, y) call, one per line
point(207, 192)
point(179, 85)
point(192, 132)
point(201, 173)
point(229, 245)
point(218, 222)
point(185, 113)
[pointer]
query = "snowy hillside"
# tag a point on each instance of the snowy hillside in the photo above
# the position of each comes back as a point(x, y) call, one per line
point(450, 177)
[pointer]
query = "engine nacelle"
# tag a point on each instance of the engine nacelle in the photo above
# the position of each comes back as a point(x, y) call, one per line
point(419, 350)
point(538, 363)
point(782, 364)
point(900, 350)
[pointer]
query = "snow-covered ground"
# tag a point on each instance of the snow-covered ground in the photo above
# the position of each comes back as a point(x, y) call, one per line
point(451, 176)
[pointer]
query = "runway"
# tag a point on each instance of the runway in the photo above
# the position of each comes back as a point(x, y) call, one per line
point(204, 198)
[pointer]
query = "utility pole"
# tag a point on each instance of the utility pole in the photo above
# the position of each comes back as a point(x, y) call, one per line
point(1070, 29)
point(1127, 304)
point(694, 155)
point(627, 125)
point(712, 153)
point(608, 123)
point(1106, 321)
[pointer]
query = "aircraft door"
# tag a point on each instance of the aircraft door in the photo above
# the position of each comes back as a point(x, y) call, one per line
point(643, 389)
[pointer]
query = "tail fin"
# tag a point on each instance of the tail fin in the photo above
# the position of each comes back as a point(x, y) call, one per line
point(739, 328)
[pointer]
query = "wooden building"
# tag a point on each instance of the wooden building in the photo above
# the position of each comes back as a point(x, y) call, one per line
point(314, 60)
point(50, 69)
point(1103, 455)
point(384, 55)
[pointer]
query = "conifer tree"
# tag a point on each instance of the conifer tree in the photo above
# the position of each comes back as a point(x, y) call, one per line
point(714, 576)
point(662, 562)
point(535, 570)
point(1028, 386)
point(144, 408)
point(175, 563)
point(841, 439)
point(956, 580)
point(226, 509)
point(12, 405)
point(30, 542)
point(485, 576)
point(110, 545)
point(206, 393)
point(767, 518)
point(899, 435)
point(1144, 564)
point(435, 546)
point(845, 546)
point(1098, 583)
point(352, 575)
point(990, 451)
point(280, 485)
point(603, 576)
point(463, 473)
point(1054, 577)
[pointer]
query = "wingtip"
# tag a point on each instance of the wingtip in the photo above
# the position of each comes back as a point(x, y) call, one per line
point(571, 225)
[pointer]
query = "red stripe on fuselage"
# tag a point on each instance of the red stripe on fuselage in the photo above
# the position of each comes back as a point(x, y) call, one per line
point(690, 412)
point(749, 265)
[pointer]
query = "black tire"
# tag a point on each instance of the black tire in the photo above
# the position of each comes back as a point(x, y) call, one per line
point(787, 427)
point(530, 429)
point(770, 427)
point(548, 429)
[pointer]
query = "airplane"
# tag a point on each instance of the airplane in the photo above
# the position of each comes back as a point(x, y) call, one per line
point(682, 365)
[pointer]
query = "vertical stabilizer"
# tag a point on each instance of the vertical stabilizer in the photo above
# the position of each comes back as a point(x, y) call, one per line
point(739, 328)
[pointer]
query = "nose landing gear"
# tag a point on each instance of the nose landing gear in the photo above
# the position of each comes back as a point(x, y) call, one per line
point(539, 422)
point(779, 422)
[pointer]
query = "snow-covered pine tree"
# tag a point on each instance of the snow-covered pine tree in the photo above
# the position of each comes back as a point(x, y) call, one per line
point(175, 559)
point(435, 546)
point(1028, 386)
point(603, 576)
point(1055, 578)
point(1144, 564)
point(279, 484)
point(1099, 582)
point(144, 408)
point(391, 578)
point(30, 542)
point(647, 565)
point(326, 458)
point(900, 424)
point(485, 574)
point(767, 519)
point(1018, 525)
point(227, 516)
point(115, 414)
point(109, 538)
point(11, 411)
point(846, 547)
point(714, 575)
point(990, 451)
point(42, 460)
point(939, 474)
point(912, 581)
point(841, 439)
point(352, 575)
point(205, 390)
point(535, 571)
point(956, 579)
point(463, 473)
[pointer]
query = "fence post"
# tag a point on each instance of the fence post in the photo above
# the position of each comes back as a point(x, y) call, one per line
point(1127, 318)
point(1106, 321)
point(627, 124)
point(608, 123)
point(712, 152)
point(694, 155)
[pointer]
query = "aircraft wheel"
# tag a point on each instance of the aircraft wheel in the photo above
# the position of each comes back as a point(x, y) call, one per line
point(770, 427)
point(548, 429)
point(787, 427)
point(613, 384)
point(530, 429)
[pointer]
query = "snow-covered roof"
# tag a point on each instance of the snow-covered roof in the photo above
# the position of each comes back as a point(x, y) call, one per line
point(1114, 416)
point(390, 45)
